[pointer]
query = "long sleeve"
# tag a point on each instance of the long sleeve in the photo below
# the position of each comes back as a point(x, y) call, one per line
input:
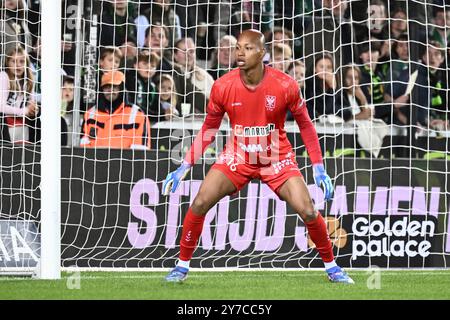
point(307, 131)
point(209, 128)
point(4, 92)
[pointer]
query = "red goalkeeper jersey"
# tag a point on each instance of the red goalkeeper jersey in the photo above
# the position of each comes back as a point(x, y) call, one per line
point(257, 118)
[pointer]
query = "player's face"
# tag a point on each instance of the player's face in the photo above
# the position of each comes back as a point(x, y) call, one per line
point(248, 53)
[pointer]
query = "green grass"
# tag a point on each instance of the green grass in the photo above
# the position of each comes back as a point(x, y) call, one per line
point(240, 285)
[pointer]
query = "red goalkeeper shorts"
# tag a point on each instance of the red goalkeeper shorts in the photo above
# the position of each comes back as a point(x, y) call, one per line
point(274, 175)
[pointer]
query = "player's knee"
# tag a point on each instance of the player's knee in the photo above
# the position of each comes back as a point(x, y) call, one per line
point(200, 205)
point(307, 211)
point(309, 215)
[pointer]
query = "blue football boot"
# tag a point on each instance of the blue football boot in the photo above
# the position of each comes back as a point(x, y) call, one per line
point(178, 274)
point(336, 274)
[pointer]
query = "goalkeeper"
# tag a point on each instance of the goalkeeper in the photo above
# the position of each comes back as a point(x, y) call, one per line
point(256, 98)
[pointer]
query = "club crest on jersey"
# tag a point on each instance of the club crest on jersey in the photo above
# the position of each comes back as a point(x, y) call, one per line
point(270, 102)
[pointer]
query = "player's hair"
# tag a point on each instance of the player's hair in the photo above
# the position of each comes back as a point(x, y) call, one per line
point(28, 78)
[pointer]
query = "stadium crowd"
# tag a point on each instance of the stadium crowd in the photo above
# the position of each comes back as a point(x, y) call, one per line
point(353, 61)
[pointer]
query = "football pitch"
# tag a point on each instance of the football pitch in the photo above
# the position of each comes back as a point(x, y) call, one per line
point(232, 285)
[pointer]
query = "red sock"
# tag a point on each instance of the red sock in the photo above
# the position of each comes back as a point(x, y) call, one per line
point(192, 229)
point(317, 230)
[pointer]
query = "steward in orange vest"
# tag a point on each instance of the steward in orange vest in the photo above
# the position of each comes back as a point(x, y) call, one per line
point(114, 123)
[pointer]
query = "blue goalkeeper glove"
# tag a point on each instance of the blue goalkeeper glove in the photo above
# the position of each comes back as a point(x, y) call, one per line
point(323, 180)
point(174, 178)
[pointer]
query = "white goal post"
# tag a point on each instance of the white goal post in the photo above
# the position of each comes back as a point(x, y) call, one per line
point(50, 260)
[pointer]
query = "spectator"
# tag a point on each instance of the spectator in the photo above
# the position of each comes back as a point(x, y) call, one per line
point(224, 60)
point(140, 84)
point(321, 91)
point(110, 60)
point(430, 100)
point(114, 122)
point(370, 21)
point(116, 26)
point(159, 12)
point(156, 39)
point(329, 32)
point(353, 97)
point(441, 21)
point(67, 97)
point(372, 78)
point(400, 58)
point(297, 71)
point(276, 36)
point(201, 80)
point(129, 53)
point(282, 57)
point(370, 132)
point(13, 27)
point(397, 28)
point(399, 24)
point(167, 96)
point(17, 104)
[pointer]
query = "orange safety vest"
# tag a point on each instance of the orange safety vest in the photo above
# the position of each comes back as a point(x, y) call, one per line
point(127, 127)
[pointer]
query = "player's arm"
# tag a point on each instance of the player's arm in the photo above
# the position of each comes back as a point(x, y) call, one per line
point(311, 141)
point(203, 139)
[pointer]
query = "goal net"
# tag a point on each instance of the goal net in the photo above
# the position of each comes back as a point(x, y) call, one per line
point(136, 77)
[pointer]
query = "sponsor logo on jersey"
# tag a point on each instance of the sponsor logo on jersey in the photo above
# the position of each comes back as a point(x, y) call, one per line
point(236, 104)
point(270, 102)
point(253, 147)
point(260, 131)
